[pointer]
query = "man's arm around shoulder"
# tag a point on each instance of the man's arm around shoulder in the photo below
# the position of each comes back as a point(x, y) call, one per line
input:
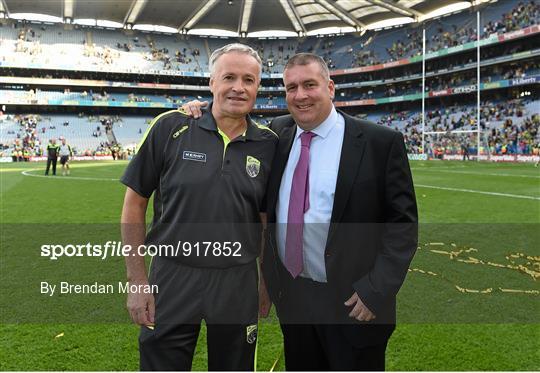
point(278, 124)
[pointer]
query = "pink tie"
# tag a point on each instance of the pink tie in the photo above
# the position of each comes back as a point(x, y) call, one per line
point(298, 205)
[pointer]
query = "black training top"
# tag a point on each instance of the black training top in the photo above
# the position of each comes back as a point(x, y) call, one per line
point(52, 150)
point(207, 190)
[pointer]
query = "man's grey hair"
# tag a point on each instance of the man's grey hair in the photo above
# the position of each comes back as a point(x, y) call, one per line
point(233, 48)
point(303, 59)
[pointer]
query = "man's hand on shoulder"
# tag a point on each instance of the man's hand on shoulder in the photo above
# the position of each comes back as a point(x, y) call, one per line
point(193, 108)
point(141, 306)
point(360, 311)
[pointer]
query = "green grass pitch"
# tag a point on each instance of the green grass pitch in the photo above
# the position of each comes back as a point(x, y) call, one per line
point(470, 301)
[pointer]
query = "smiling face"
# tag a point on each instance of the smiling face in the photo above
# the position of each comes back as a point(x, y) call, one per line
point(309, 94)
point(234, 84)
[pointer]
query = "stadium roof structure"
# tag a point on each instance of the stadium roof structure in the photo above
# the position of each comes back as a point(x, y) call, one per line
point(238, 17)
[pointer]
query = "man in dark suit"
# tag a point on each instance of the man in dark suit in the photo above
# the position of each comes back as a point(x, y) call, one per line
point(342, 228)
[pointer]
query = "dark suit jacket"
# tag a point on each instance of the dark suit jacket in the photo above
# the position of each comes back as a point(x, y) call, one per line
point(373, 232)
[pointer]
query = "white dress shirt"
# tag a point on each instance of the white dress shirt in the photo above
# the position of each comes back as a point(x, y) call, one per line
point(324, 157)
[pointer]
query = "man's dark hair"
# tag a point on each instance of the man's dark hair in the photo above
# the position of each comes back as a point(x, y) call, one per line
point(303, 59)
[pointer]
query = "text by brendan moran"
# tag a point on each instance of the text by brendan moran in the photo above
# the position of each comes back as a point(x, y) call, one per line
point(65, 287)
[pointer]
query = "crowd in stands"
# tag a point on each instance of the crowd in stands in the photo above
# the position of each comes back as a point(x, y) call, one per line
point(442, 82)
point(364, 58)
point(492, 74)
point(451, 118)
point(519, 133)
point(507, 127)
point(514, 70)
point(182, 57)
point(274, 55)
point(515, 138)
point(134, 98)
point(499, 111)
point(524, 14)
point(407, 42)
point(105, 99)
point(326, 53)
point(105, 54)
point(444, 39)
point(411, 47)
point(29, 137)
point(434, 83)
point(27, 142)
point(468, 59)
point(28, 42)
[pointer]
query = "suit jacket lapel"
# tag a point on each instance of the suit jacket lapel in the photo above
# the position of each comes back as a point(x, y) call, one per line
point(352, 151)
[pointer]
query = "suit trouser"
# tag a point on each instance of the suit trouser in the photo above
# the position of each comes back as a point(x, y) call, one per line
point(314, 337)
point(227, 299)
point(49, 161)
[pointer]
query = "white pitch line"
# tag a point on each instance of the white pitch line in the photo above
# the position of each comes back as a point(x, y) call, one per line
point(27, 173)
point(478, 192)
point(476, 173)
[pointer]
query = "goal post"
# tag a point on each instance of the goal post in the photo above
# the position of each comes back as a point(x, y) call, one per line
point(456, 144)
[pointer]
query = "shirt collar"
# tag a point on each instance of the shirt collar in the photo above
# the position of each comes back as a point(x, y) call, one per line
point(208, 122)
point(325, 127)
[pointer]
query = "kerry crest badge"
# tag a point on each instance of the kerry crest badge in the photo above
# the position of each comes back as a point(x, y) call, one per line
point(253, 166)
point(251, 333)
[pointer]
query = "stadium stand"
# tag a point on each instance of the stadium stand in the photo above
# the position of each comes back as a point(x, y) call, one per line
point(128, 64)
point(509, 125)
point(85, 134)
point(96, 47)
point(391, 45)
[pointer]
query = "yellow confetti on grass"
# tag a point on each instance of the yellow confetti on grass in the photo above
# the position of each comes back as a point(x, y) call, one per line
point(535, 292)
point(496, 265)
point(465, 290)
point(471, 260)
point(59, 335)
point(440, 252)
point(422, 271)
point(533, 274)
point(533, 262)
point(523, 255)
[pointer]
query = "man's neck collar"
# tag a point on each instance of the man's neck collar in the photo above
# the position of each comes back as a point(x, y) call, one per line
point(324, 128)
point(209, 122)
